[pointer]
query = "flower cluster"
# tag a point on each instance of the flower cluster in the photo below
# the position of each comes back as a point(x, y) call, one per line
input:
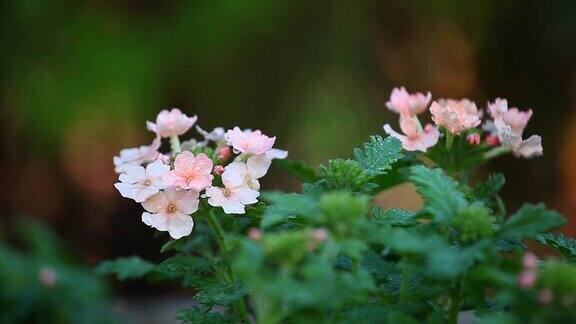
point(457, 117)
point(225, 167)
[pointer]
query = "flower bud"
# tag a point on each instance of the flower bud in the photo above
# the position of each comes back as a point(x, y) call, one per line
point(47, 276)
point(224, 153)
point(218, 170)
point(255, 234)
point(320, 234)
point(545, 297)
point(527, 279)
point(530, 261)
point(493, 140)
point(474, 139)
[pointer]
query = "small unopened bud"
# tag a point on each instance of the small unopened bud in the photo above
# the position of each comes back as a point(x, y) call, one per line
point(224, 153)
point(47, 276)
point(218, 170)
point(545, 297)
point(530, 261)
point(320, 234)
point(527, 279)
point(474, 139)
point(492, 140)
point(255, 234)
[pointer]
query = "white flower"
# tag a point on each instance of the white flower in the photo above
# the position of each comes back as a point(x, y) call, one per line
point(169, 210)
point(240, 174)
point(232, 200)
point(141, 183)
point(217, 135)
point(513, 140)
point(136, 156)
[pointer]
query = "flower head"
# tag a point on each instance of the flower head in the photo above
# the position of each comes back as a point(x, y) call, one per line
point(415, 139)
point(405, 103)
point(516, 119)
point(136, 156)
point(455, 115)
point(190, 172)
point(248, 141)
point(513, 140)
point(171, 123)
point(231, 199)
point(141, 183)
point(169, 210)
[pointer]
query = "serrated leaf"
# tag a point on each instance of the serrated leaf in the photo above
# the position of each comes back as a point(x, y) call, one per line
point(125, 268)
point(212, 292)
point(566, 245)
point(381, 268)
point(379, 154)
point(183, 264)
point(490, 187)
point(297, 169)
point(194, 316)
point(530, 221)
point(440, 192)
point(285, 207)
point(393, 217)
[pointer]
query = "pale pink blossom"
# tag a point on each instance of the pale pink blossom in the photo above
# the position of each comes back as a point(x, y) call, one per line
point(190, 172)
point(248, 141)
point(171, 123)
point(521, 148)
point(455, 115)
point(415, 138)
point(232, 200)
point(530, 261)
point(141, 183)
point(255, 234)
point(169, 210)
point(474, 139)
point(217, 135)
point(406, 103)
point(47, 276)
point(513, 117)
point(136, 156)
point(527, 279)
point(240, 174)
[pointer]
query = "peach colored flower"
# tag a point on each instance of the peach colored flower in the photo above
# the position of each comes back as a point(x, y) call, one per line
point(415, 139)
point(513, 140)
point(141, 183)
point(248, 141)
point(171, 123)
point(169, 210)
point(406, 103)
point(136, 156)
point(455, 115)
point(516, 119)
point(232, 200)
point(190, 172)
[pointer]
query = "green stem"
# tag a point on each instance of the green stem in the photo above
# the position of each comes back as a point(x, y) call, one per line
point(214, 224)
point(449, 140)
point(175, 144)
point(496, 152)
point(404, 285)
point(455, 300)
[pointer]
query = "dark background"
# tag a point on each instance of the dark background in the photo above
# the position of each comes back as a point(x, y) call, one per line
point(78, 80)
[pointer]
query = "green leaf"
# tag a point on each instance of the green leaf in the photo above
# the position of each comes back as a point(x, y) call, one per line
point(183, 264)
point(379, 154)
point(212, 292)
point(348, 175)
point(381, 268)
point(393, 217)
point(287, 207)
point(297, 169)
point(440, 192)
point(490, 187)
point(566, 245)
point(194, 315)
point(125, 268)
point(531, 220)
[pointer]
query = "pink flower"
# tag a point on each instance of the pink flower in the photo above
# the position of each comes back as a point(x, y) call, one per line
point(136, 156)
point(47, 276)
point(405, 103)
point(520, 148)
point(415, 139)
point(320, 234)
point(530, 261)
point(527, 279)
point(516, 119)
point(141, 183)
point(455, 115)
point(171, 123)
point(255, 234)
point(232, 200)
point(169, 210)
point(190, 172)
point(474, 139)
point(249, 142)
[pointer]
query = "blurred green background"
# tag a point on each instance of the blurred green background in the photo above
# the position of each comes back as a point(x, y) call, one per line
point(79, 79)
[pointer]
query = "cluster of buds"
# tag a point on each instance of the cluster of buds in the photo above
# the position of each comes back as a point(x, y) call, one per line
point(504, 128)
point(224, 168)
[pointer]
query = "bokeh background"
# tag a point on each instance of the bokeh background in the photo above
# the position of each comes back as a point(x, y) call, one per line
point(78, 79)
